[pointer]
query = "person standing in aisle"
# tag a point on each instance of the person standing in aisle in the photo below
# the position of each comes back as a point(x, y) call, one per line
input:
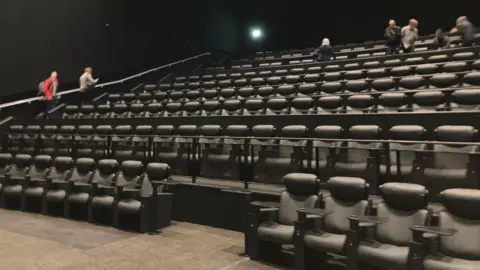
point(86, 83)
point(409, 36)
point(393, 37)
point(49, 89)
point(467, 30)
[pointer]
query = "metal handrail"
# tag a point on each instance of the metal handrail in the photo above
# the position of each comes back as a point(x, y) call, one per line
point(266, 138)
point(28, 100)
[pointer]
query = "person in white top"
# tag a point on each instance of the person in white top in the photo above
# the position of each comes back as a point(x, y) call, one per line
point(86, 82)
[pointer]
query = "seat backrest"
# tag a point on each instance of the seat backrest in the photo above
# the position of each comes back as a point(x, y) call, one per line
point(83, 170)
point(61, 169)
point(348, 196)
point(326, 132)
point(461, 213)
point(130, 174)
point(296, 131)
point(21, 165)
point(358, 152)
point(457, 158)
point(210, 135)
point(407, 150)
point(234, 134)
point(105, 172)
point(40, 166)
point(403, 206)
point(300, 192)
point(157, 171)
point(5, 163)
point(264, 135)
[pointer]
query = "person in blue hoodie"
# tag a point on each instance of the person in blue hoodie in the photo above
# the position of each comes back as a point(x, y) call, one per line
point(324, 52)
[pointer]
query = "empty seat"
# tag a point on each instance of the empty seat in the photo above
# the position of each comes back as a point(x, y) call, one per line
point(214, 157)
point(30, 140)
point(348, 196)
point(57, 184)
point(266, 91)
point(303, 105)
point(35, 183)
point(286, 90)
point(443, 80)
point(103, 192)
point(357, 158)
point(455, 242)
point(164, 144)
point(226, 94)
point(398, 165)
point(176, 96)
point(173, 109)
point(15, 138)
point(391, 102)
point(63, 142)
point(360, 104)
point(449, 166)
point(187, 156)
point(193, 96)
point(264, 145)
point(426, 101)
point(232, 107)
point(137, 110)
point(86, 111)
point(154, 110)
point(402, 206)
point(411, 82)
point(210, 108)
point(385, 84)
point(114, 98)
point(471, 79)
point(103, 111)
point(246, 92)
point(129, 97)
point(119, 111)
point(15, 180)
point(332, 76)
point(79, 188)
point(5, 166)
point(48, 139)
point(145, 97)
point(160, 96)
point(70, 112)
point(463, 100)
point(254, 107)
point(102, 141)
point(277, 106)
point(331, 87)
point(307, 89)
point(191, 109)
point(329, 104)
point(121, 143)
point(268, 234)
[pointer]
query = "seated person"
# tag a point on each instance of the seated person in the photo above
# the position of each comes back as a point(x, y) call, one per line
point(324, 52)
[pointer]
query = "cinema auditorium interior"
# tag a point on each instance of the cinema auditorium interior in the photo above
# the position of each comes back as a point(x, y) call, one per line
point(221, 135)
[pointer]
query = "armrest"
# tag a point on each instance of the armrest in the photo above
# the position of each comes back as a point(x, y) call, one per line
point(164, 182)
point(358, 223)
point(422, 233)
point(312, 213)
point(267, 206)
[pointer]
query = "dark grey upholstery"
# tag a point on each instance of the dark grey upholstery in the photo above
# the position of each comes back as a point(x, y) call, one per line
point(16, 178)
point(102, 194)
point(449, 166)
point(401, 170)
point(348, 196)
point(403, 206)
point(264, 146)
point(122, 145)
point(300, 192)
point(35, 184)
point(79, 189)
point(5, 166)
point(57, 177)
point(461, 250)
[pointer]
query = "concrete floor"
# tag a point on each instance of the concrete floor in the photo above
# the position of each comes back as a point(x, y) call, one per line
point(33, 241)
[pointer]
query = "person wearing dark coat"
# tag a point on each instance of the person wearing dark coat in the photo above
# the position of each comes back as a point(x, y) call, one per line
point(393, 37)
point(324, 52)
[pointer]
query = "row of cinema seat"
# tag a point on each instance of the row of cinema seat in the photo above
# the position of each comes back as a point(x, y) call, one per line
point(118, 195)
point(212, 151)
point(406, 101)
point(399, 231)
point(412, 62)
point(370, 47)
point(257, 80)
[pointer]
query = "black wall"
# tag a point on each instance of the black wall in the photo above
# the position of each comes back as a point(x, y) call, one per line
point(41, 36)
point(301, 24)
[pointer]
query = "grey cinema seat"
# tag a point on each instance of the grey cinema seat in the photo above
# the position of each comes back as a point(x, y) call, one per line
point(14, 181)
point(318, 235)
point(57, 183)
point(5, 166)
point(266, 234)
point(400, 157)
point(445, 166)
point(78, 192)
point(103, 191)
point(403, 205)
point(456, 242)
point(139, 201)
point(35, 182)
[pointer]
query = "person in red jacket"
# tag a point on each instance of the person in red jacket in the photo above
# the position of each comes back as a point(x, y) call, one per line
point(49, 89)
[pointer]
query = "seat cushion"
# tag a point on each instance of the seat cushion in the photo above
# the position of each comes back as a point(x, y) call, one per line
point(130, 206)
point(103, 201)
point(34, 191)
point(78, 198)
point(441, 262)
point(15, 190)
point(56, 195)
point(277, 233)
point(325, 242)
point(383, 255)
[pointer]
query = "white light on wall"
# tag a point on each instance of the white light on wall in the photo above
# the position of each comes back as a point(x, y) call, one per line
point(256, 33)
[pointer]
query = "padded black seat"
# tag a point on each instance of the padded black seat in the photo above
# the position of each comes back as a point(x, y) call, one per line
point(458, 250)
point(160, 96)
point(411, 82)
point(307, 89)
point(402, 206)
point(331, 87)
point(426, 69)
point(399, 166)
point(70, 112)
point(15, 180)
point(102, 141)
point(129, 97)
point(449, 166)
point(254, 107)
point(360, 104)
point(356, 86)
point(286, 90)
point(145, 97)
point(472, 79)
point(443, 80)
point(79, 188)
point(358, 159)
point(265, 91)
point(103, 111)
point(401, 71)
point(215, 154)
point(173, 109)
point(332, 76)
point(303, 105)
point(5, 166)
point(348, 196)
point(274, 80)
point(264, 146)
point(122, 148)
point(137, 110)
point(103, 192)
point(225, 94)
point(311, 78)
point(57, 182)
point(35, 183)
point(177, 96)
point(246, 92)
point(232, 107)
point(119, 111)
point(329, 104)
point(354, 75)
point(426, 101)
point(468, 99)
point(277, 106)
point(267, 235)
point(154, 110)
point(191, 109)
